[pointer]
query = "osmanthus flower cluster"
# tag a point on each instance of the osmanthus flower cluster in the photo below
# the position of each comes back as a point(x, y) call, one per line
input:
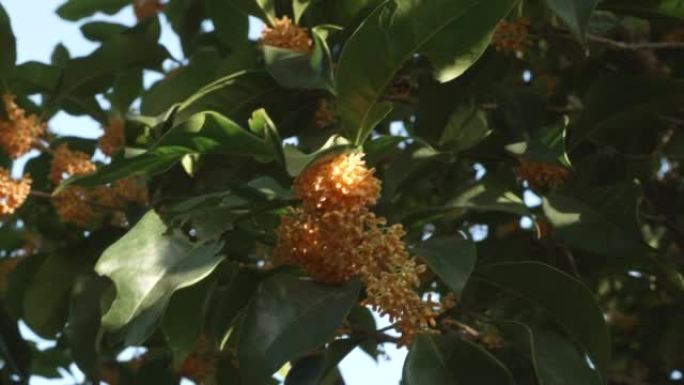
point(286, 34)
point(335, 237)
point(21, 133)
point(541, 175)
point(81, 206)
point(511, 36)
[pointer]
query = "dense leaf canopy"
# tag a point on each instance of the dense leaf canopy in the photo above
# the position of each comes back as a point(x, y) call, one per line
point(501, 178)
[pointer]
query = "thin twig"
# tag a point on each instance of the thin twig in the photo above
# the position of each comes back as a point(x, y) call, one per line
point(634, 46)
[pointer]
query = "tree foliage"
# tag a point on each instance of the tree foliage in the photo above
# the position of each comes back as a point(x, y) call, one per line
point(500, 177)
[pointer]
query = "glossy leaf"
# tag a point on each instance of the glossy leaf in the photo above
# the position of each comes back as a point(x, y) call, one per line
point(489, 195)
point(450, 360)
point(204, 133)
point(147, 266)
point(230, 24)
point(451, 258)
point(83, 326)
point(46, 301)
point(8, 44)
point(565, 298)
point(99, 31)
point(467, 127)
point(575, 13)
point(616, 101)
point(451, 34)
point(287, 317)
point(556, 360)
point(304, 70)
point(596, 219)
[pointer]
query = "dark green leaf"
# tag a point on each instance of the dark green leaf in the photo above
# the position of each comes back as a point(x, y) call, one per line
point(601, 219)
point(450, 360)
point(78, 9)
point(467, 127)
point(184, 319)
point(99, 31)
point(451, 258)
point(288, 317)
point(451, 34)
point(565, 298)
point(83, 324)
point(575, 13)
point(46, 301)
point(8, 44)
point(615, 101)
point(231, 25)
point(556, 360)
point(204, 133)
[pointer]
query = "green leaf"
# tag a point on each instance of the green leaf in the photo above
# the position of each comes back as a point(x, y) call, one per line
point(83, 324)
point(565, 298)
point(77, 9)
point(467, 127)
point(230, 24)
point(299, 7)
point(287, 317)
point(182, 83)
point(615, 102)
point(575, 13)
point(99, 31)
point(450, 360)
point(316, 369)
point(601, 219)
point(672, 8)
point(127, 87)
point(46, 301)
point(451, 258)
point(556, 360)
point(184, 319)
point(203, 133)
point(302, 70)
point(452, 34)
point(8, 44)
point(296, 161)
point(547, 145)
point(363, 325)
point(147, 265)
point(96, 72)
point(489, 195)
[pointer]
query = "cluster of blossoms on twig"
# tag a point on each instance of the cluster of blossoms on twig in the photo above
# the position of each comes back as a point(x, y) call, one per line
point(21, 133)
point(541, 175)
point(286, 34)
point(335, 237)
point(511, 36)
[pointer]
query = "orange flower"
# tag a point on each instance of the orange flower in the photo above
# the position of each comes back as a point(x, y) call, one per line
point(144, 9)
point(73, 206)
point(286, 34)
point(113, 137)
point(201, 363)
point(13, 193)
point(339, 182)
point(324, 115)
point(67, 163)
point(541, 175)
point(335, 237)
point(511, 36)
point(18, 133)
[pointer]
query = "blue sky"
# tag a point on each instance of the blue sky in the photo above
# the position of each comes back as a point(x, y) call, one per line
point(38, 29)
